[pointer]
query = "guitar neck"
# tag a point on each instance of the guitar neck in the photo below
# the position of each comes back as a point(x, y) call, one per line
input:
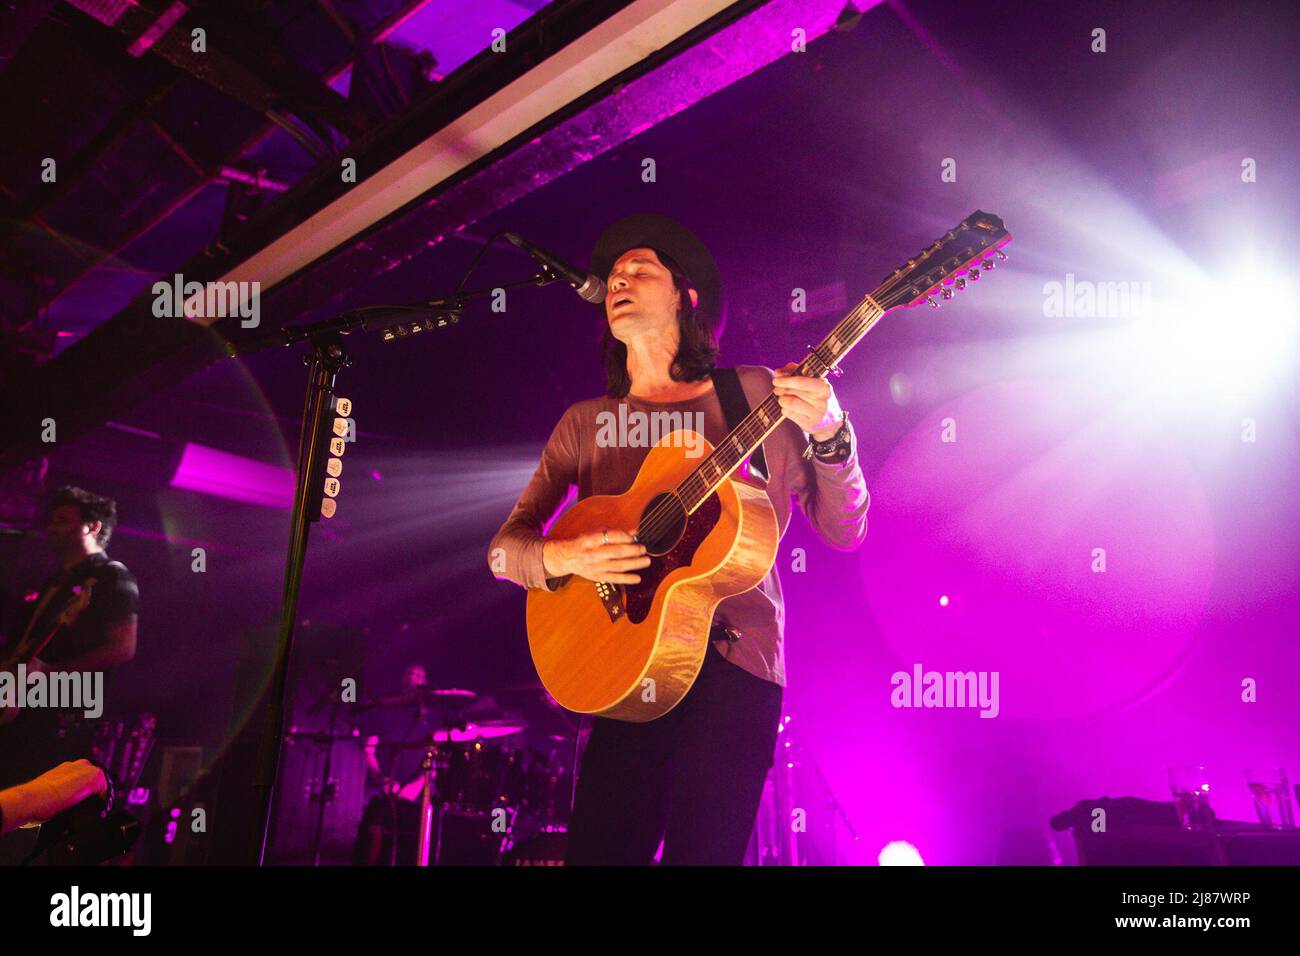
point(944, 263)
point(32, 643)
point(763, 419)
point(24, 651)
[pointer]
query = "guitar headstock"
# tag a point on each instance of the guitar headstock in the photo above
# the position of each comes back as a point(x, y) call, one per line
point(972, 247)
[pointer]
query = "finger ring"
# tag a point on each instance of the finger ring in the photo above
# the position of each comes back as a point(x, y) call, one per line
point(604, 536)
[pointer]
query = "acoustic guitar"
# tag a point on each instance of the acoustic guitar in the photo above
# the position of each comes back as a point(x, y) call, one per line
point(631, 652)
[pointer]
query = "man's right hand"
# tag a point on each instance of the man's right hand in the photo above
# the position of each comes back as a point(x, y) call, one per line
point(590, 556)
point(50, 794)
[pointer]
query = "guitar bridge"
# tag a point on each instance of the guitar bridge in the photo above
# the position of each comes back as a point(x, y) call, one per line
point(611, 595)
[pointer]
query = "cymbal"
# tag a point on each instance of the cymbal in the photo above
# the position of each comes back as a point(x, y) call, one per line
point(534, 690)
point(526, 688)
point(316, 737)
point(415, 695)
point(484, 730)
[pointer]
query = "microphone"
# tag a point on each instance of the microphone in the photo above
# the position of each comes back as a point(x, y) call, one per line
point(590, 287)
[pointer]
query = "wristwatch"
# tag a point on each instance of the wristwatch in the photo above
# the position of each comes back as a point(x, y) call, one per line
point(835, 449)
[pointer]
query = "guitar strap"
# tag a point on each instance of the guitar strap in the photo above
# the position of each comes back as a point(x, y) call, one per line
point(735, 406)
point(55, 587)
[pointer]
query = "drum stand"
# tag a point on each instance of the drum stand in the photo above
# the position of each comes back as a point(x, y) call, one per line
point(426, 814)
point(328, 789)
point(431, 833)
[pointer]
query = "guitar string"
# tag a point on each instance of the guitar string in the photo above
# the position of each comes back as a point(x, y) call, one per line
point(855, 325)
point(665, 514)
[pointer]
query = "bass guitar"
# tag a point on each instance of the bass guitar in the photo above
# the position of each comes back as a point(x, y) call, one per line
point(37, 637)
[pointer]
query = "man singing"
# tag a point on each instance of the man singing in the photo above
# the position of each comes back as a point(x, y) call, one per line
point(694, 777)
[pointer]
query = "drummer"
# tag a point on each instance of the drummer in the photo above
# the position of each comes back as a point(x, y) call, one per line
point(393, 778)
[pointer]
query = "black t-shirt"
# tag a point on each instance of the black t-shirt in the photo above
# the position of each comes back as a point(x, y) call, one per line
point(114, 597)
point(43, 737)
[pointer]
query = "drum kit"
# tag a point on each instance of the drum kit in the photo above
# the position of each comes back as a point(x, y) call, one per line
point(483, 797)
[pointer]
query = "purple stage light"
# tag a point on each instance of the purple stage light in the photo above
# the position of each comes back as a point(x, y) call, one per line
point(225, 475)
point(1079, 534)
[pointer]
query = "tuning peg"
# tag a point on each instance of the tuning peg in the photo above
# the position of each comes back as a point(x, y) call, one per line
point(929, 300)
point(974, 275)
point(960, 284)
point(1000, 254)
point(947, 293)
point(988, 264)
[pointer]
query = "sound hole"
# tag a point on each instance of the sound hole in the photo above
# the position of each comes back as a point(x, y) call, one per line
point(680, 542)
point(662, 524)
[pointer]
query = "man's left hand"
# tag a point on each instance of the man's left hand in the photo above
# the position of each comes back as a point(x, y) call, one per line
point(808, 402)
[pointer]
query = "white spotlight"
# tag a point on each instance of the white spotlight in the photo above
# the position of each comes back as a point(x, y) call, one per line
point(1232, 335)
point(899, 853)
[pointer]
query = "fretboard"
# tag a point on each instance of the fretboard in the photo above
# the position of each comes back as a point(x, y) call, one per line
point(762, 420)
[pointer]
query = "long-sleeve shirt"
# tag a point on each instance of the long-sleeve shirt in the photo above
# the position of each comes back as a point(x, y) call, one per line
point(579, 454)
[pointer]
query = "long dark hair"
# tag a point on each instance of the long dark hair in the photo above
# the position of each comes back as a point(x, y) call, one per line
point(697, 350)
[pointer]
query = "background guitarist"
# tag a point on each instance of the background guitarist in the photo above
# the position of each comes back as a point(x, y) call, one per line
point(694, 777)
point(102, 635)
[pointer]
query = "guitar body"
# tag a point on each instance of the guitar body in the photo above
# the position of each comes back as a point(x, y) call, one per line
point(596, 652)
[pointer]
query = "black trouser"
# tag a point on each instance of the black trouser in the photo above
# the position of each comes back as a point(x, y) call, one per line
point(693, 778)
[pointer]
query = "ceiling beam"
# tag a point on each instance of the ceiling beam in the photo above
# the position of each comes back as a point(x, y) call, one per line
point(609, 49)
point(499, 127)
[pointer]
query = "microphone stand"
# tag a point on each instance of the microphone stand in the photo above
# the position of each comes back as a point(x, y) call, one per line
point(327, 789)
point(328, 357)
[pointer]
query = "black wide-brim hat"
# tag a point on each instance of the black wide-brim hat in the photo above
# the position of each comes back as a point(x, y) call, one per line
point(652, 231)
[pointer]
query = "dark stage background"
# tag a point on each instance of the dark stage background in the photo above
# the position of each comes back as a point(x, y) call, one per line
point(822, 171)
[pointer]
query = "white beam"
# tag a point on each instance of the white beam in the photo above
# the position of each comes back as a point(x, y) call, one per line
point(618, 43)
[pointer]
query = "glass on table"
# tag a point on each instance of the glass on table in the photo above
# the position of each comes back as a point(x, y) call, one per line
point(1272, 796)
point(1191, 789)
